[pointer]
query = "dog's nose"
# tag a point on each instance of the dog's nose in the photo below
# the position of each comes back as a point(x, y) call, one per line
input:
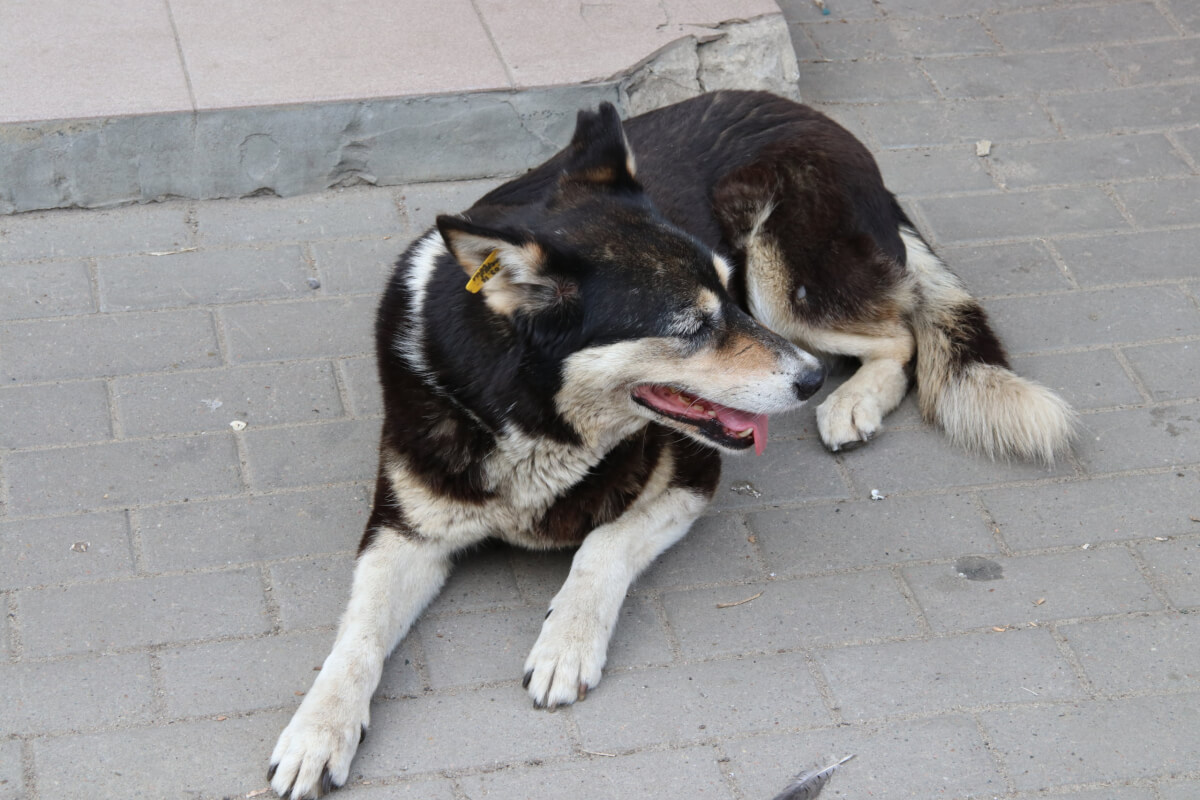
point(810, 382)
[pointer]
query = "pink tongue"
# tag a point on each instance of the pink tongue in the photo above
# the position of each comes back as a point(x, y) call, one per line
point(736, 421)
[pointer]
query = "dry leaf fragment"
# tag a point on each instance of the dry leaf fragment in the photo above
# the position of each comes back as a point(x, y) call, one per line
point(739, 602)
point(238, 425)
point(80, 547)
point(999, 629)
point(983, 148)
point(1039, 601)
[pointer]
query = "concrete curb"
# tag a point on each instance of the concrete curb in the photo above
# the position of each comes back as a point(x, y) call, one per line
point(290, 150)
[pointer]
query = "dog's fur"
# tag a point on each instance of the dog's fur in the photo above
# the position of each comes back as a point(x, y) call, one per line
point(582, 395)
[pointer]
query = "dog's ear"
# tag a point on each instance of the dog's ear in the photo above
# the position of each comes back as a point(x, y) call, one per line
point(507, 267)
point(599, 151)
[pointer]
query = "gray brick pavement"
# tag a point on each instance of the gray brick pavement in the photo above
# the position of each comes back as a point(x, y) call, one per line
point(168, 584)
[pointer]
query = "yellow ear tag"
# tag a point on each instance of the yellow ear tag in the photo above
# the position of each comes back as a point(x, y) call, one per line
point(487, 270)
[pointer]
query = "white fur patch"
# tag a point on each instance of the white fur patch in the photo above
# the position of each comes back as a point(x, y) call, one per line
point(410, 344)
point(569, 655)
point(394, 579)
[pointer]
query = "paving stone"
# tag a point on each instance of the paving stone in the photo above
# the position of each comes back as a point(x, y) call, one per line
point(40, 697)
point(1089, 318)
point(1077, 584)
point(357, 266)
point(1126, 257)
point(862, 82)
point(956, 121)
point(328, 215)
point(1167, 436)
point(121, 474)
point(540, 574)
point(190, 402)
point(140, 612)
point(244, 529)
point(1116, 792)
point(56, 550)
point(1093, 511)
point(303, 455)
point(1066, 27)
point(313, 593)
point(481, 647)
point(1169, 371)
point(1098, 740)
point(1133, 109)
point(1139, 653)
point(209, 758)
point(59, 288)
point(240, 676)
point(70, 234)
point(865, 40)
point(1025, 214)
point(999, 269)
point(939, 757)
point(1154, 62)
point(639, 639)
point(923, 677)
point(1187, 13)
point(54, 413)
point(483, 728)
point(482, 578)
point(693, 772)
point(1086, 160)
point(916, 171)
point(1175, 565)
point(202, 277)
point(870, 533)
point(1190, 140)
point(789, 614)
point(717, 549)
point(1089, 379)
point(1165, 202)
point(788, 472)
point(684, 703)
point(360, 376)
point(887, 464)
point(942, 37)
point(12, 782)
point(410, 790)
point(117, 344)
point(400, 676)
point(1005, 75)
point(424, 201)
point(311, 329)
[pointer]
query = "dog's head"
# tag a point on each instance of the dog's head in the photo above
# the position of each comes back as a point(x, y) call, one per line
point(626, 314)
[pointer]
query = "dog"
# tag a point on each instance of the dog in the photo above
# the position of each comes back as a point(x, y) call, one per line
point(563, 363)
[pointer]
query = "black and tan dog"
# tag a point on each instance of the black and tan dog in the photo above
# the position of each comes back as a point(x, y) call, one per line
point(606, 311)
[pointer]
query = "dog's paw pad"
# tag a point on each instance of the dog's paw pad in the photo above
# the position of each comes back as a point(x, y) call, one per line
point(850, 420)
point(312, 757)
point(566, 661)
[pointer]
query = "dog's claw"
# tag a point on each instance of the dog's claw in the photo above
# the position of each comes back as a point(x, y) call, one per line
point(326, 780)
point(362, 734)
point(271, 771)
point(583, 690)
point(525, 681)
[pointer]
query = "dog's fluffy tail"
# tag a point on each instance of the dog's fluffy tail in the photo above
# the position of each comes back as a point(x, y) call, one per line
point(964, 383)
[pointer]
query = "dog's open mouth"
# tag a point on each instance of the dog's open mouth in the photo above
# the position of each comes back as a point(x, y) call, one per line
point(728, 427)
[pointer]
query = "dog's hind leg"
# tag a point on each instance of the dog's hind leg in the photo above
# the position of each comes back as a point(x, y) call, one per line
point(569, 655)
point(395, 578)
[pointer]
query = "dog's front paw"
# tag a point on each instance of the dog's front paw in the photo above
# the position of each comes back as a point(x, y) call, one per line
point(848, 419)
point(313, 754)
point(567, 659)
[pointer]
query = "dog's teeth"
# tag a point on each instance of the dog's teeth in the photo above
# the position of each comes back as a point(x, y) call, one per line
point(712, 413)
point(746, 434)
